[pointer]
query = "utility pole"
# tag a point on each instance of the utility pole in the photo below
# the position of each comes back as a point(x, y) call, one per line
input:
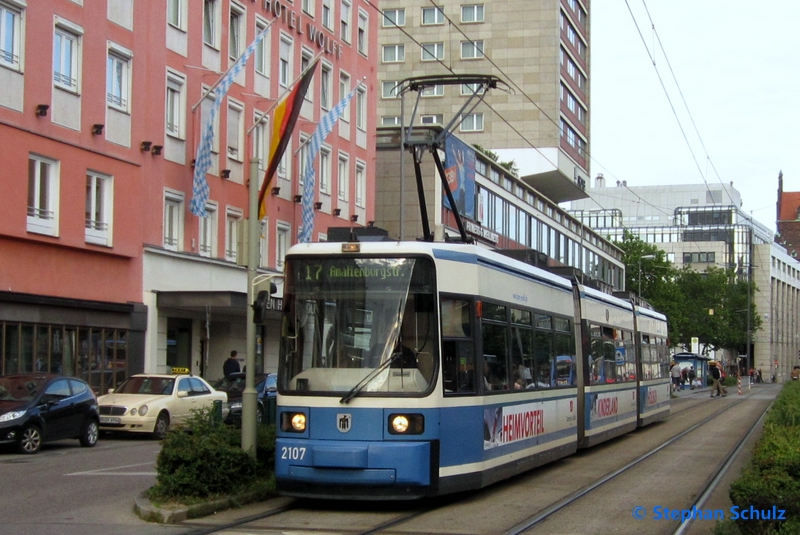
point(249, 395)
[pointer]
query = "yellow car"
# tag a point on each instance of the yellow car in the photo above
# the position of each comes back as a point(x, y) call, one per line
point(150, 403)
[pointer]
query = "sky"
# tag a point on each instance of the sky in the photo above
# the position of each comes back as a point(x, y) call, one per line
point(735, 65)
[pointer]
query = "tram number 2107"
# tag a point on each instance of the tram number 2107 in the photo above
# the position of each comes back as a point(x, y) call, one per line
point(293, 454)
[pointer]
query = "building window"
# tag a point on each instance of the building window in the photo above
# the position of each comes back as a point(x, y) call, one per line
point(432, 15)
point(235, 32)
point(325, 87)
point(10, 31)
point(327, 14)
point(325, 170)
point(175, 13)
point(263, 243)
point(308, 7)
point(472, 13)
point(471, 49)
point(99, 202)
point(284, 163)
point(285, 62)
point(205, 114)
point(361, 184)
point(431, 119)
point(393, 53)
point(176, 84)
point(390, 120)
point(302, 162)
point(117, 84)
point(65, 59)
point(283, 239)
point(470, 89)
point(208, 231)
point(390, 89)
point(260, 136)
point(305, 61)
point(235, 132)
point(361, 109)
point(362, 41)
point(344, 21)
point(432, 51)
point(262, 51)
point(233, 218)
point(433, 91)
point(472, 122)
point(344, 90)
point(344, 176)
point(173, 220)
point(210, 22)
point(43, 185)
point(394, 17)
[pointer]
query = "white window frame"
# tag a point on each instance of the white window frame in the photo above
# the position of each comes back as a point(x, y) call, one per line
point(211, 9)
point(398, 17)
point(325, 87)
point(432, 16)
point(471, 122)
point(284, 164)
point(302, 162)
point(176, 14)
point(343, 168)
point(390, 120)
point(345, 14)
point(344, 90)
point(43, 195)
point(362, 35)
point(236, 31)
point(207, 231)
point(233, 219)
point(261, 58)
point(389, 89)
point(470, 89)
point(13, 28)
point(325, 169)
point(436, 90)
point(175, 110)
point(99, 208)
point(260, 137)
point(67, 55)
point(285, 60)
point(118, 82)
point(205, 112)
point(472, 49)
point(173, 220)
point(433, 51)
point(327, 14)
point(306, 56)
point(396, 53)
point(361, 184)
point(263, 242)
point(283, 240)
point(308, 7)
point(434, 118)
point(235, 131)
point(361, 108)
point(477, 13)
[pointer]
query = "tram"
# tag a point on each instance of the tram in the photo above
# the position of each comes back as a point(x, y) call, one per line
point(417, 369)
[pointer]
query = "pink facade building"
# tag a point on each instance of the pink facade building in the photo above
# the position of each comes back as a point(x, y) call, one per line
point(104, 271)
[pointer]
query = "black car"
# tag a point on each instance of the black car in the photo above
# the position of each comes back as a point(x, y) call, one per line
point(42, 407)
point(266, 387)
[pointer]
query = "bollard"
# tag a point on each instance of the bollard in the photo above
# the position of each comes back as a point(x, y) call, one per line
point(216, 412)
point(739, 382)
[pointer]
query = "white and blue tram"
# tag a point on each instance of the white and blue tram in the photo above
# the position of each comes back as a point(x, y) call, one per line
point(413, 369)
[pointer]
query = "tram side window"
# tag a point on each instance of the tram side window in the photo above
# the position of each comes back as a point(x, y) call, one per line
point(495, 356)
point(602, 356)
point(522, 363)
point(565, 360)
point(629, 355)
point(458, 347)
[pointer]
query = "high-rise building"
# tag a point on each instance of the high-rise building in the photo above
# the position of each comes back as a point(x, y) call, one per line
point(539, 49)
point(105, 272)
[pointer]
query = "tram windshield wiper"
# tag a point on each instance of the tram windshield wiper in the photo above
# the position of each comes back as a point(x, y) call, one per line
point(366, 380)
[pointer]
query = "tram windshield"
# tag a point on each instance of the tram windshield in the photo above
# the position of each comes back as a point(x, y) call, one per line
point(359, 326)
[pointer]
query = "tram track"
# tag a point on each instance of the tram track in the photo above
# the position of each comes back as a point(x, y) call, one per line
point(394, 518)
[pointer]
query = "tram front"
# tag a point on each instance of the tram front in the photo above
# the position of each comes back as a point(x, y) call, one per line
point(358, 362)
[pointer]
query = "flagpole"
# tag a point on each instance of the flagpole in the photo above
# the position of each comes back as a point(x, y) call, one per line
point(211, 89)
point(288, 90)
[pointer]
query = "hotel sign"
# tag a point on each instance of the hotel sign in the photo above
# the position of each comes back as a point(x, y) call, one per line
point(315, 35)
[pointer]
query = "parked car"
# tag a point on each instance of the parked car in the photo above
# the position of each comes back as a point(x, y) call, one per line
point(266, 387)
point(42, 407)
point(151, 403)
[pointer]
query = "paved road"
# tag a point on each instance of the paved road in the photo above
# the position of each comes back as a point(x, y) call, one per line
point(67, 489)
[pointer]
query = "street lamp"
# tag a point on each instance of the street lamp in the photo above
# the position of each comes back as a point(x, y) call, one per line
point(648, 257)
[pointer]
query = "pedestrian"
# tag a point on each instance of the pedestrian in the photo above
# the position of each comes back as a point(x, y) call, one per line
point(795, 373)
point(675, 373)
point(716, 385)
point(231, 365)
point(692, 376)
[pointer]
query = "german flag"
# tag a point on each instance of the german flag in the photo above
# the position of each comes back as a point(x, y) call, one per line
point(284, 119)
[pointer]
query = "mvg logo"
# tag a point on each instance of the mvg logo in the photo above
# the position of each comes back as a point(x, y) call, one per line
point(344, 422)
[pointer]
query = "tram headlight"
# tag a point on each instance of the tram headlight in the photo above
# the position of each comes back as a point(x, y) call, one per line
point(293, 422)
point(406, 424)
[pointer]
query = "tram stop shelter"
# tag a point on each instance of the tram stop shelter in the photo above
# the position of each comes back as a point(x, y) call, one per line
point(699, 362)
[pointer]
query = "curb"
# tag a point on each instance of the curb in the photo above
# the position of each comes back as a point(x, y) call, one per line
point(145, 509)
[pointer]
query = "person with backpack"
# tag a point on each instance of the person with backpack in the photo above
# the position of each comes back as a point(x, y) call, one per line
point(692, 376)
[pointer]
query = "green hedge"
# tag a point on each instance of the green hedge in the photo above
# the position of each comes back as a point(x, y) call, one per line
point(773, 476)
point(205, 459)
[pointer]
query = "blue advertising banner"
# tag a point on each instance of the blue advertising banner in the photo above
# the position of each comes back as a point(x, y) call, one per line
point(459, 163)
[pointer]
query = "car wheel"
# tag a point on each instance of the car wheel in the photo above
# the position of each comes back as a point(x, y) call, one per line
point(90, 434)
point(30, 441)
point(259, 415)
point(162, 426)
